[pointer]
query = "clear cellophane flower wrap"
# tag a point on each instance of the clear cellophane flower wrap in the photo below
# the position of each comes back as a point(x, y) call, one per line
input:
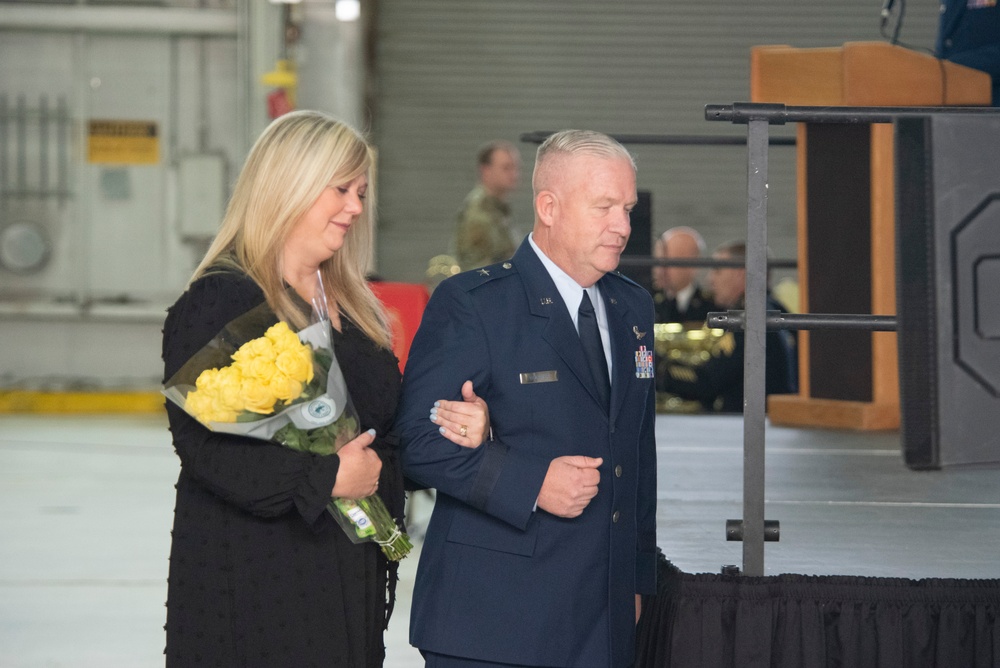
point(259, 378)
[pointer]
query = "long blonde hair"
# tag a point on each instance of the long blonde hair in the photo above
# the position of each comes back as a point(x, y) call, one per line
point(295, 158)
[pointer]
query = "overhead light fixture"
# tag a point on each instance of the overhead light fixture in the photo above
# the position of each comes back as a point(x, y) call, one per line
point(348, 10)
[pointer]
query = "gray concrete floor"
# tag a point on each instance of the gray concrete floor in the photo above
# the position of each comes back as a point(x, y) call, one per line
point(86, 505)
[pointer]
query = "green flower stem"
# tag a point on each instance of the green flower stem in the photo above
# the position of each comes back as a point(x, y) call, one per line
point(395, 543)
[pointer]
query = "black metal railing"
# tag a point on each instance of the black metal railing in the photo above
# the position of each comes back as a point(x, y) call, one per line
point(753, 529)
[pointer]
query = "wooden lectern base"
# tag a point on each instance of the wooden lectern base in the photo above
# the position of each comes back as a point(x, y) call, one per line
point(797, 411)
point(846, 215)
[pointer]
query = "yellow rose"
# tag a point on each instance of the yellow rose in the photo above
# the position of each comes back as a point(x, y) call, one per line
point(296, 363)
point(285, 388)
point(202, 405)
point(257, 396)
point(197, 403)
point(228, 389)
point(282, 336)
point(207, 380)
point(220, 413)
point(259, 368)
point(259, 348)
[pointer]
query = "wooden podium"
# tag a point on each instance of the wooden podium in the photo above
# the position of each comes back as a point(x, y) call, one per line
point(846, 216)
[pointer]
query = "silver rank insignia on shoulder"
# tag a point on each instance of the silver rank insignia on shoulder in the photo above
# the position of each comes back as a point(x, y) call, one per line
point(643, 362)
point(484, 272)
point(638, 334)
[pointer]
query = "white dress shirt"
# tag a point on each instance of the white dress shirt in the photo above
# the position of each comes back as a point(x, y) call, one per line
point(572, 294)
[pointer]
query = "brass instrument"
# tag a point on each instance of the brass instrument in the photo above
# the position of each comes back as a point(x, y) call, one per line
point(690, 344)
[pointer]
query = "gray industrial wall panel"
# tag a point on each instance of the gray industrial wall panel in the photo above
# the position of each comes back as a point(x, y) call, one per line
point(451, 74)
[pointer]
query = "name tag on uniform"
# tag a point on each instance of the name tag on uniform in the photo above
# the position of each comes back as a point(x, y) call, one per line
point(539, 377)
point(643, 362)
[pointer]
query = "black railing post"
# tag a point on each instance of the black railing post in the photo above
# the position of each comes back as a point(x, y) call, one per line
point(754, 349)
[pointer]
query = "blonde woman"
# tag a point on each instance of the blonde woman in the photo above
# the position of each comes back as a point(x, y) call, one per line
point(260, 574)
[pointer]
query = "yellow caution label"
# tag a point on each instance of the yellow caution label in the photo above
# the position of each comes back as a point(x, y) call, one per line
point(123, 142)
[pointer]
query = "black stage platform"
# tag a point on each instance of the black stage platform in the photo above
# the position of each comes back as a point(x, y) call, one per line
point(846, 502)
point(907, 561)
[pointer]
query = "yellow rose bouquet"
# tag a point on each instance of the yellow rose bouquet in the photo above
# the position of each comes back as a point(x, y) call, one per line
point(259, 378)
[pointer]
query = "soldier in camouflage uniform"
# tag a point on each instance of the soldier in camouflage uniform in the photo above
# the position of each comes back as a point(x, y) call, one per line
point(483, 234)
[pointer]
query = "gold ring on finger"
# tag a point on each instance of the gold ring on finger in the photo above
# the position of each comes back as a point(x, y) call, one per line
point(463, 430)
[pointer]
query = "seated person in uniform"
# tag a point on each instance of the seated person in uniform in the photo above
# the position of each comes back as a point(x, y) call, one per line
point(676, 293)
point(718, 382)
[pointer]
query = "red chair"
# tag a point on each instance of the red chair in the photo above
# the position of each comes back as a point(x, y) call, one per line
point(405, 303)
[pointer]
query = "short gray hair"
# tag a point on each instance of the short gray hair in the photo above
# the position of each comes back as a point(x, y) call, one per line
point(578, 142)
point(690, 231)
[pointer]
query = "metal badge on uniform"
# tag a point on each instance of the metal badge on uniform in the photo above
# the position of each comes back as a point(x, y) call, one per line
point(643, 362)
point(539, 377)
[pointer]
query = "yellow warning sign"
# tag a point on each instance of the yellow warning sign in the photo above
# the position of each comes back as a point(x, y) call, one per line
point(123, 142)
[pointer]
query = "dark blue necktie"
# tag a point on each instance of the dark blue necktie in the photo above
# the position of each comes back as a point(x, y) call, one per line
point(593, 349)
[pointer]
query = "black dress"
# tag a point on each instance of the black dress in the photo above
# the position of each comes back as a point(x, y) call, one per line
point(260, 573)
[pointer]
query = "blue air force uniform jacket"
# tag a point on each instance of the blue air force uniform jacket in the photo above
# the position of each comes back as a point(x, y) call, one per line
point(499, 580)
point(969, 34)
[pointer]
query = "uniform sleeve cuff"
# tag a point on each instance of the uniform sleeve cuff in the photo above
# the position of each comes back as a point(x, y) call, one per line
point(645, 573)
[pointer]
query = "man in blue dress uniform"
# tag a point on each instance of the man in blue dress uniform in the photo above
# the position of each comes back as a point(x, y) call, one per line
point(542, 538)
point(969, 34)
